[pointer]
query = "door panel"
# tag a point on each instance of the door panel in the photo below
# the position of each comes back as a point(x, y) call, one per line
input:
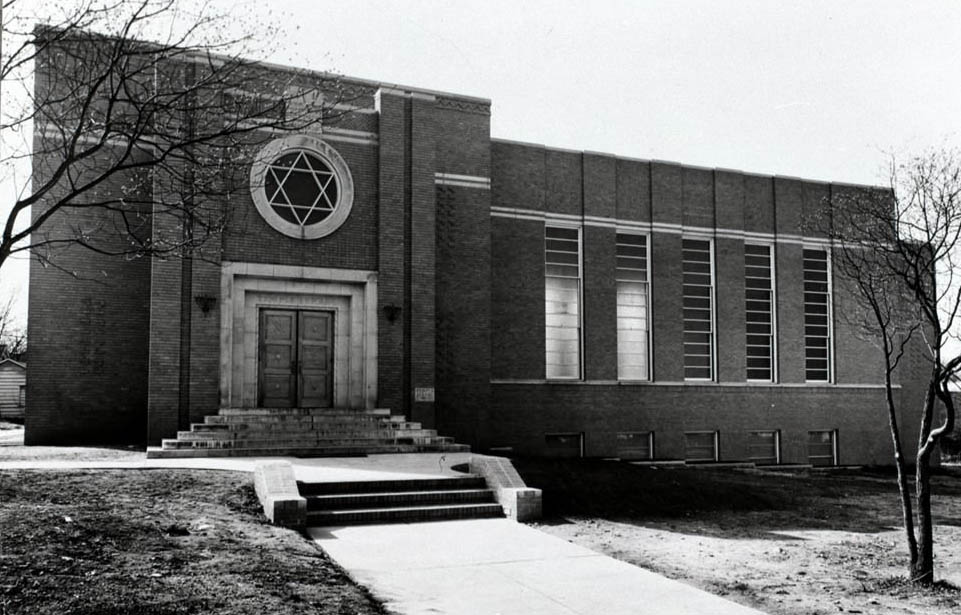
point(277, 358)
point(315, 344)
point(296, 358)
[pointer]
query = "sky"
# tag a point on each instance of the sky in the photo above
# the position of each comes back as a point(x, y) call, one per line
point(820, 90)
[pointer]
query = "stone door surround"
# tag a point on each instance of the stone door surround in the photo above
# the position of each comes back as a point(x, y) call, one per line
point(349, 293)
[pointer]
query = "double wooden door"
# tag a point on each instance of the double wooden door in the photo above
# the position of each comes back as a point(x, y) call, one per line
point(296, 359)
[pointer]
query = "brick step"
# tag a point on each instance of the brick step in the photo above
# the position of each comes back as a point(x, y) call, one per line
point(302, 412)
point(404, 514)
point(275, 434)
point(236, 422)
point(154, 452)
point(300, 442)
point(357, 501)
point(391, 486)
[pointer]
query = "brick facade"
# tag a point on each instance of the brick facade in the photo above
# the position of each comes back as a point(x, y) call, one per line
point(450, 224)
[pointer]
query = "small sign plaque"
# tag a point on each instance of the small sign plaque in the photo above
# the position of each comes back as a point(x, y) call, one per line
point(424, 394)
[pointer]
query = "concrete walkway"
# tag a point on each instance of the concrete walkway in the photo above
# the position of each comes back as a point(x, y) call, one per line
point(317, 469)
point(497, 566)
point(483, 566)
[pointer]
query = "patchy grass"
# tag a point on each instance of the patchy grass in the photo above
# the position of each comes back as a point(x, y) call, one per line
point(157, 542)
point(12, 449)
point(786, 542)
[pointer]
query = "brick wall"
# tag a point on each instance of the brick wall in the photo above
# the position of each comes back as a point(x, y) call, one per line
point(524, 413)
point(87, 326)
point(524, 408)
point(463, 275)
point(517, 298)
point(352, 246)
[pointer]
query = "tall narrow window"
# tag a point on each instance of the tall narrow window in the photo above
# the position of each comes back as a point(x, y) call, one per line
point(817, 316)
point(562, 299)
point(698, 304)
point(632, 307)
point(759, 311)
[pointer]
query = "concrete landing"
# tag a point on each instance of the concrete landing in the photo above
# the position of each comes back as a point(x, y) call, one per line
point(497, 566)
point(314, 469)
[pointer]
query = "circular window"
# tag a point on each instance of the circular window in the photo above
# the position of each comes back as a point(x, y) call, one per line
point(302, 187)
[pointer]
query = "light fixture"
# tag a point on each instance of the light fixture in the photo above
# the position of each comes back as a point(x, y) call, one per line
point(392, 311)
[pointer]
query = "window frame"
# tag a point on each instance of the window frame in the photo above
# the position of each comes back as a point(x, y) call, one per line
point(775, 373)
point(580, 299)
point(551, 437)
point(835, 453)
point(712, 305)
point(829, 303)
point(651, 455)
point(777, 444)
point(648, 303)
point(716, 433)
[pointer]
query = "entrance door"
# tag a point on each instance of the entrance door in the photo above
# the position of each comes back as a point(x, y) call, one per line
point(296, 353)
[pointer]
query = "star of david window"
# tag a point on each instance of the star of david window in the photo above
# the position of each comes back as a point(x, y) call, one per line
point(301, 187)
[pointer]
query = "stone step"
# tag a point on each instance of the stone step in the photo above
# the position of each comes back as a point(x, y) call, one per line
point(348, 434)
point(155, 452)
point(250, 412)
point(392, 486)
point(403, 514)
point(398, 499)
point(214, 422)
point(300, 442)
point(303, 432)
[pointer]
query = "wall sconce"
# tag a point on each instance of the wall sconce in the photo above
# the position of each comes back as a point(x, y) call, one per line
point(205, 302)
point(392, 311)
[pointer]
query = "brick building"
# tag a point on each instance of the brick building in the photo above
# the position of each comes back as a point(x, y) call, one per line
point(511, 295)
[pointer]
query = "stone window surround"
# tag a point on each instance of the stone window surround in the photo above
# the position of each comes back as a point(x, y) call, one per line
point(315, 146)
point(351, 294)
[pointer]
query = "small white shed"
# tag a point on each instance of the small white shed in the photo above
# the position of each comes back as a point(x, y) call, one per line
point(13, 388)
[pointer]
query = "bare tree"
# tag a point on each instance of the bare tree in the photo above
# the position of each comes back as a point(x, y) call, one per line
point(137, 144)
point(900, 249)
point(13, 338)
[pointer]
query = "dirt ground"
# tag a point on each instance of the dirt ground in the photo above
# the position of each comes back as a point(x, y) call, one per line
point(12, 449)
point(157, 542)
point(788, 543)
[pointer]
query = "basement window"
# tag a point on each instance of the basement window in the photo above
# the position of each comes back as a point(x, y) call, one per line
point(764, 447)
point(823, 448)
point(635, 445)
point(701, 446)
point(565, 444)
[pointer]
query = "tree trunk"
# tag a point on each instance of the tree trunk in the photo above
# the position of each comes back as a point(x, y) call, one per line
point(922, 569)
point(904, 489)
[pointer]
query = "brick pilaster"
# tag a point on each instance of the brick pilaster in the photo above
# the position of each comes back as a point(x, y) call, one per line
point(422, 256)
point(392, 191)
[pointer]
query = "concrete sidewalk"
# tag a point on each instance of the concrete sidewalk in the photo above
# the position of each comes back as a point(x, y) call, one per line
point(315, 469)
point(497, 566)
